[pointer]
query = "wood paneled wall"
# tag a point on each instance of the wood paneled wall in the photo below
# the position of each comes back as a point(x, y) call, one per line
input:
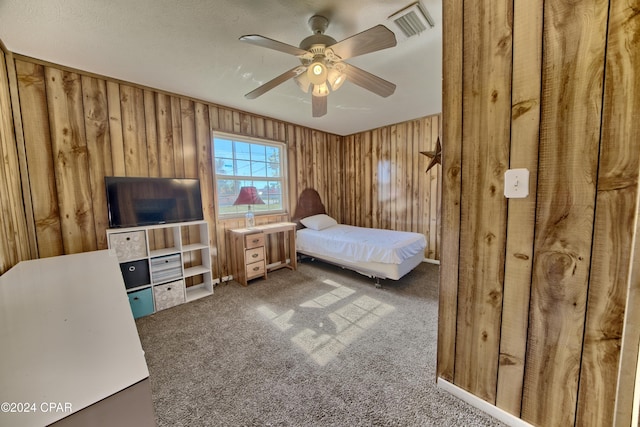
point(386, 183)
point(534, 292)
point(80, 127)
point(14, 245)
point(83, 127)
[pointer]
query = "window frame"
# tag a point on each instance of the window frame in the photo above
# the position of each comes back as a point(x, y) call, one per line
point(284, 182)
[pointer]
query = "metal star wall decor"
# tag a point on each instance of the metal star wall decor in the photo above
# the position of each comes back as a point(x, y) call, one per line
point(436, 155)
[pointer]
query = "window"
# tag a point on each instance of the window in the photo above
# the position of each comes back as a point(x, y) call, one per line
point(244, 162)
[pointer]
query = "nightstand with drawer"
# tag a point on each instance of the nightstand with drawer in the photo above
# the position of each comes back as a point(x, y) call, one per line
point(249, 254)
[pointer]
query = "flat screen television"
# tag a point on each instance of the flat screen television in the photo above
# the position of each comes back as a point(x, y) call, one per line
point(136, 201)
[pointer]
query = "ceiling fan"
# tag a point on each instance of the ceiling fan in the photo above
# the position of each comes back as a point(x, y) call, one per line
point(323, 68)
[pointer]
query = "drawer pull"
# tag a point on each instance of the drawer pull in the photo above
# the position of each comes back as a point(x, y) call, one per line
point(132, 268)
point(136, 298)
point(256, 268)
point(255, 240)
point(168, 289)
point(255, 256)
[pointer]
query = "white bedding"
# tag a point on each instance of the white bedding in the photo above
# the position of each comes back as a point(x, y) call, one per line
point(358, 244)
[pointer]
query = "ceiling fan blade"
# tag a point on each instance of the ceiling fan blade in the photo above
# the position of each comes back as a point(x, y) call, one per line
point(318, 106)
point(368, 81)
point(371, 40)
point(274, 82)
point(258, 40)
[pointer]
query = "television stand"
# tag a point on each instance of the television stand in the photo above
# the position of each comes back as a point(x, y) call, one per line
point(163, 265)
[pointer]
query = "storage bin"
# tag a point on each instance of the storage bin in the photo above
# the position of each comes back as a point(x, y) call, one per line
point(169, 294)
point(166, 268)
point(128, 245)
point(141, 302)
point(135, 273)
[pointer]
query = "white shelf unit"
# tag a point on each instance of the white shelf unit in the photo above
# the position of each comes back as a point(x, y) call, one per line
point(171, 261)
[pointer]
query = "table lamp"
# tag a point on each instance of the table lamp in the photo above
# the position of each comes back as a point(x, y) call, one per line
point(248, 196)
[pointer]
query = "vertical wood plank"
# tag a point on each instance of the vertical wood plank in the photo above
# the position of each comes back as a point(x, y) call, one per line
point(153, 156)
point(66, 118)
point(31, 237)
point(525, 124)
point(616, 213)
point(434, 194)
point(307, 153)
point(292, 167)
point(244, 124)
point(96, 118)
point(375, 178)
point(303, 174)
point(402, 205)
point(15, 246)
point(133, 131)
point(356, 165)
point(165, 135)
point(571, 106)
point(315, 170)
point(348, 171)
point(452, 37)
point(204, 140)
point(436, 226)
point(258, 126)
point(416, 177)
point(115, 129)
point(393, 177)
point(37, 136)
point(226, 120)
point(385, 182)
point(270, 131)
point(424, 129)
point(214, 118)
point(485, 151)
point(340, 167)
point(176, 127)
point(367, 187)
point(626, 410)
point(236, 122)
point(187, 108)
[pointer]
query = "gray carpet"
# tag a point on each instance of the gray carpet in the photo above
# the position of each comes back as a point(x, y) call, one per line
point(319, 346)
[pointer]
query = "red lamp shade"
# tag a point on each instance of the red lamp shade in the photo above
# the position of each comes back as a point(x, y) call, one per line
point(248, 196)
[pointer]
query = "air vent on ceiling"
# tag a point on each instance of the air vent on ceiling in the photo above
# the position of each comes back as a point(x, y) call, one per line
point(413, 19)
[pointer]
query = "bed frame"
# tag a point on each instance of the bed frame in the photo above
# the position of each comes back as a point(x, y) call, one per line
point(309, 204)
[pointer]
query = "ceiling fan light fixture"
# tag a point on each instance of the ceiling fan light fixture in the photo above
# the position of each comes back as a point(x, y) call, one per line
point(320, 90)
point(303, 82)
point(336, 79)
point(317, 73)
point(322, 69)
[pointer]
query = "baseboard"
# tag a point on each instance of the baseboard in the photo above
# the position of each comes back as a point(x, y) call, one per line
point(431, 261)
point(483, 405)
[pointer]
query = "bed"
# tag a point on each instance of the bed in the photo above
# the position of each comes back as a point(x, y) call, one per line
point(377, 253)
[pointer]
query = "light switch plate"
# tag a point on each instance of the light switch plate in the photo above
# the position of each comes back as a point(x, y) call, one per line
point(516, 183)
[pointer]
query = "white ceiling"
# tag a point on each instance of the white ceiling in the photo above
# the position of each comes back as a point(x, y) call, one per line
point(191, 47)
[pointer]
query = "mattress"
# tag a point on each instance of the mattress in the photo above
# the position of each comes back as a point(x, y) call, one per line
point(359, 244)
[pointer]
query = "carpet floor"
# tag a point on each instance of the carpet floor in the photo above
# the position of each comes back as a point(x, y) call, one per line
point(319, 346)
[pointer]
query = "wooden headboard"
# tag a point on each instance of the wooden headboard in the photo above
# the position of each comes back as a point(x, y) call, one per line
point(309, 203)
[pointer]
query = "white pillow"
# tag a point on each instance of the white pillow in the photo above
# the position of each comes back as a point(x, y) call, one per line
point(318, 222)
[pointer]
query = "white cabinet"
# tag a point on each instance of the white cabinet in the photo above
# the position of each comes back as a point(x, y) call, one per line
point(173, 261)
point(67, 336)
